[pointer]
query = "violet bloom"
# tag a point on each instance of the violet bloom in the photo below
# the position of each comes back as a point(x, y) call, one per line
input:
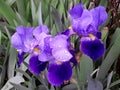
point(31, 40)
point(86, 24)
point(59, 69)
point(59, 72)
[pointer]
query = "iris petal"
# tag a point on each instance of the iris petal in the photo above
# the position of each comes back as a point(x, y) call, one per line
point(38, 30)
point(93, 48)
point(44, 57)
point(16, 41)
point(98, 35)
point(36, 66)
point(99, 16)
point(73, 59)
point(68, 32)
point(59, 41)
point(41, 38)
point(61, 54)
point(20, 58)
point(80, 25)
point(25, 32)
point(76, 12)
point(57, 74)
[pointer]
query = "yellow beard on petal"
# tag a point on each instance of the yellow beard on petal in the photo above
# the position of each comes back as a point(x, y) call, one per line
point(91, 36)
point(58, 62)
point(36, 50)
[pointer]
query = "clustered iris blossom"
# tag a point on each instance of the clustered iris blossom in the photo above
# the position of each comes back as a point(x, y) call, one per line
point(57, 53)
point(86, 24)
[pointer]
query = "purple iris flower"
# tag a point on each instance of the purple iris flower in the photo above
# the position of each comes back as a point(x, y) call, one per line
point(86, 24)
point(61, 62)
point(31, 40)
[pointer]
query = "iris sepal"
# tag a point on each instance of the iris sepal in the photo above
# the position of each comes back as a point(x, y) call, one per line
point(94, 48)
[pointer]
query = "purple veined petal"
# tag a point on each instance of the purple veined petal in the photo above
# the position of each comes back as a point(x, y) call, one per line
point(58, 73)
point(40, 38)
point(93, 48)
point(99, 16)
point(29, 44)
point(98, 35)
point(26, 36)
point(25, 31)
point(20, 30)
point(61, 54)
point(47, 48)
point(59, 41)
point(38, 30)
point(45, 57)
point(36, 66)
point(68, 32)
point(93, 30)
point(20, 58)
point(76, 12)
point(80, 25)
point(16, 41)
point(46, 54)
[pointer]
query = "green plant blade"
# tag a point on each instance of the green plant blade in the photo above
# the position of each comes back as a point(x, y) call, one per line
point(112, 55)
point(57, 19)
point(85, 69)
point(7, 12)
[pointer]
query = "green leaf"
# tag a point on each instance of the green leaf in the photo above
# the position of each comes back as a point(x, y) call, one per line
point(34, 16)
point(70, 87)
point(117, 82)
point(41, 87)
point(2, 75)
point(21, 7)
point(27, 11)
point(61, 7)
point(54, 30)
point(86, 68)
point(42, 80)
point(15, 80)
point(0, 36)
point(115, 35)
point(8, 33)
point(12, 62)
point(24, 73)
point(111, 56)
point(85, 2)
point(47, 21)
point(7, 12)
point(57, 18)
point(10, 2)
point(94, 84)
point(54, 3)
point(20, 87)
point(52, 87)
point(39, 13)
point(21, 20)
point(109, 78)
point(104, 3)
point(45, 8)
point(104, 33)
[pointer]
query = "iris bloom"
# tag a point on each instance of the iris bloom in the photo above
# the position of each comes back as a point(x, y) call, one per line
point(61, 63)
point(86, 24)
point(31, 40)
point(43, 48)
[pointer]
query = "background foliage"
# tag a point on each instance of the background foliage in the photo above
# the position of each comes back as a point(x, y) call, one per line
point(88, 75)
